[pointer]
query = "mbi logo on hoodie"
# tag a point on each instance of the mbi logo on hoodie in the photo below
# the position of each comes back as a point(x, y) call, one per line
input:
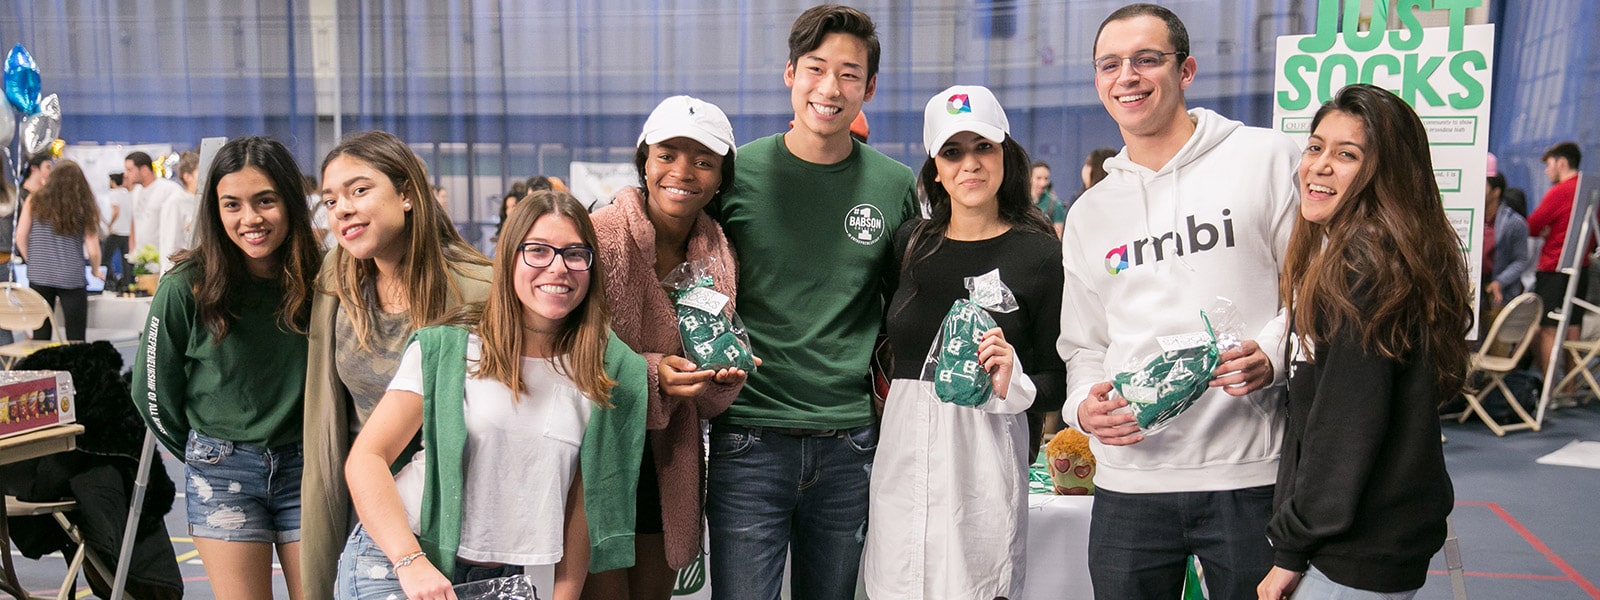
point(1202, 236)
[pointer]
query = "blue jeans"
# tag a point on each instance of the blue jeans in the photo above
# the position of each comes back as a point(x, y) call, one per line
point(768, 490)
point(1139, 543)
point(1316, 586)
point(242, 492)
point(366, 573)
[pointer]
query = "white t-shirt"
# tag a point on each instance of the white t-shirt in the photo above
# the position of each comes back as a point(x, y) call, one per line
point(147, 203)
point(514, 502)
point(119, 201)
point(177, 231)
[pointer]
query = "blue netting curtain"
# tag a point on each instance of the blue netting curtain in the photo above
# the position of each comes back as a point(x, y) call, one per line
point(163, 71)
point(491, 91)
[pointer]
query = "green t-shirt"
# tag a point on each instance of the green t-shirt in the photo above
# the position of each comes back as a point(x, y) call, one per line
point(250, 388)
point(813, 243)
point(1053, 209)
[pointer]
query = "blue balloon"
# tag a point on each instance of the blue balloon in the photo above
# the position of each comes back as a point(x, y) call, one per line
point(22, 80)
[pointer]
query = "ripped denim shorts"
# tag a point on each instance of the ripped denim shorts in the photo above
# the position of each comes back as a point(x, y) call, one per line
point(242, 492)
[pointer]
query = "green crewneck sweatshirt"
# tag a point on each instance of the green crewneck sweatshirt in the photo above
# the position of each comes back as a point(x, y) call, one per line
point(813, 245)
point(249, 387)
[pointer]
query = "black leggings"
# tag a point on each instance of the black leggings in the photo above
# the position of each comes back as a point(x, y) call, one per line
point(74, 309)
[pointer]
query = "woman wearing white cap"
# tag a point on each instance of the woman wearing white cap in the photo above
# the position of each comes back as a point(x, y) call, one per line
point(948, 515)
point(685, 158)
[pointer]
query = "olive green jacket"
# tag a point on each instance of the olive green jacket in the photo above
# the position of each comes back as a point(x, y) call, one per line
point(325, 507)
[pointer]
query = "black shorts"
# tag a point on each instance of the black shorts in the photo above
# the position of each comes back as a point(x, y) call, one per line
point(1551, 286)
point(647, 515)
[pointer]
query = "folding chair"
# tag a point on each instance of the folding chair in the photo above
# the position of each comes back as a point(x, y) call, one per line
point(18, 508)
point(22, 309)
point(1582, 353)
point(1508, 339)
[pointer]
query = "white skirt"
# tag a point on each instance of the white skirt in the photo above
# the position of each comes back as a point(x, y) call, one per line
point(949, 506)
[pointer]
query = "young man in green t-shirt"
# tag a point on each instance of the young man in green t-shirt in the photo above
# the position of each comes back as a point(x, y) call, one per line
point(811, 214)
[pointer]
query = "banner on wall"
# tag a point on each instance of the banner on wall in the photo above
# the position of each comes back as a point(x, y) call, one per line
point(1444, 73)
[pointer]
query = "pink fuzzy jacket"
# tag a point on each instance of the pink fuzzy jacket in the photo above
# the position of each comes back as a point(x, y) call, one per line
point(643, 316)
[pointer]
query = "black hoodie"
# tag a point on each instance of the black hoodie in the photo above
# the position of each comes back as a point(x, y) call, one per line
point(1362, 489)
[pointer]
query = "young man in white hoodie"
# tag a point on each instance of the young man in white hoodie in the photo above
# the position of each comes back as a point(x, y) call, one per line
point(1195, 207)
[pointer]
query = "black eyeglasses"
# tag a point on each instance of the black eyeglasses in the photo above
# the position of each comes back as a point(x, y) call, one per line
point(1144, 62)
point(540, 255)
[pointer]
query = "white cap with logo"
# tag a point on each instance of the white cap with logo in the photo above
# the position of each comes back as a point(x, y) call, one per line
point(693, 118)
point(963, 108)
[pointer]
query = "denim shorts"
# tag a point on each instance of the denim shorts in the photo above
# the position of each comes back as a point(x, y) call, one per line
point(242, 492)
point(1316, 586)
point(365, 573)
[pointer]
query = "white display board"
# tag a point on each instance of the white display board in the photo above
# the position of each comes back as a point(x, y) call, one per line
point(1445, 73)
point(594, 183)
point(99, 162)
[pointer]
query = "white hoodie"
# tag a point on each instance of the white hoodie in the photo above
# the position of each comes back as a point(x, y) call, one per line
point(1229, 200)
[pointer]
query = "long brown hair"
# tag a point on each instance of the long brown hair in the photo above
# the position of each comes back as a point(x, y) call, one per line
point(1388, 239)
point(219, 286)
point(580, 346)
point(66, 202)
point(433, 245)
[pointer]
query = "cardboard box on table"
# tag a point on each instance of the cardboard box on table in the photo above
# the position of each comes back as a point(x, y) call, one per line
point(33, 400)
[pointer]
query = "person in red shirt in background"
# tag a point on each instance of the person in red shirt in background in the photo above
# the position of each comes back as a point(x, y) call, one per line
point(1549, 221)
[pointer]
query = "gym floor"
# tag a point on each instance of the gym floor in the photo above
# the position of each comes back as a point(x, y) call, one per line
point(1526, 530)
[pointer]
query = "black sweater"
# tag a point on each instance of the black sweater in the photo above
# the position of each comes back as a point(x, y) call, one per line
point(1362, 490)
point(1030, 265)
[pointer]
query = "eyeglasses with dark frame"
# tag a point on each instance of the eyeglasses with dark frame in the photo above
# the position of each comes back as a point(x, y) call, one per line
point(540, 255)
point(1143, 61)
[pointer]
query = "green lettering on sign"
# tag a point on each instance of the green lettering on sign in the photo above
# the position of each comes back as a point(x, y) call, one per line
point(1325, 82)
point(1471, 95)
point(1294, 68)
point(1414, 80)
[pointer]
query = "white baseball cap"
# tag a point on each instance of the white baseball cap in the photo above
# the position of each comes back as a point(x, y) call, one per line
point(963, 108)
point(693, 118)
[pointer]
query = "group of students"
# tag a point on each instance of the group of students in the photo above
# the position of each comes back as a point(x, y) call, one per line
point(560, 424)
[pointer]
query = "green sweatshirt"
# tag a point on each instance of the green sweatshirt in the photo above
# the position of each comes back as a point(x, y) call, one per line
point(613, 445)
point(813, 243)
point(249, 387)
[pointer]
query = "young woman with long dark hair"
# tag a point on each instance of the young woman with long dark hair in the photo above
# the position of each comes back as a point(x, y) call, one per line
point(1376, 289)
point(221, 376)
point(949, 502)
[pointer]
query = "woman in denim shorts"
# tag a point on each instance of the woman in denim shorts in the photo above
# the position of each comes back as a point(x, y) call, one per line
point(221, 378)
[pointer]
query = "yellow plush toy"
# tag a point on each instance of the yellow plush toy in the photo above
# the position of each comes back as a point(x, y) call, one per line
point(1071, 463)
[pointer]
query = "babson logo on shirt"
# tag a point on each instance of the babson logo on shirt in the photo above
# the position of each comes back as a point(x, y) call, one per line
point(1199, 237)
point(864, 224)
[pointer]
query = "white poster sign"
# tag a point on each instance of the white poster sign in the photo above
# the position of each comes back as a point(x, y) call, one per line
point(594, 184)
point(1445, 73)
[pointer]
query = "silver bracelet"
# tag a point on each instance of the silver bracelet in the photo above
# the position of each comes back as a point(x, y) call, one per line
point(406, 560)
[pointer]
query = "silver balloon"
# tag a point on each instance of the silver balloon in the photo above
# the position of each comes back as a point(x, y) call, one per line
point(50, 106)
point(38, 131)
point(8, 127)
